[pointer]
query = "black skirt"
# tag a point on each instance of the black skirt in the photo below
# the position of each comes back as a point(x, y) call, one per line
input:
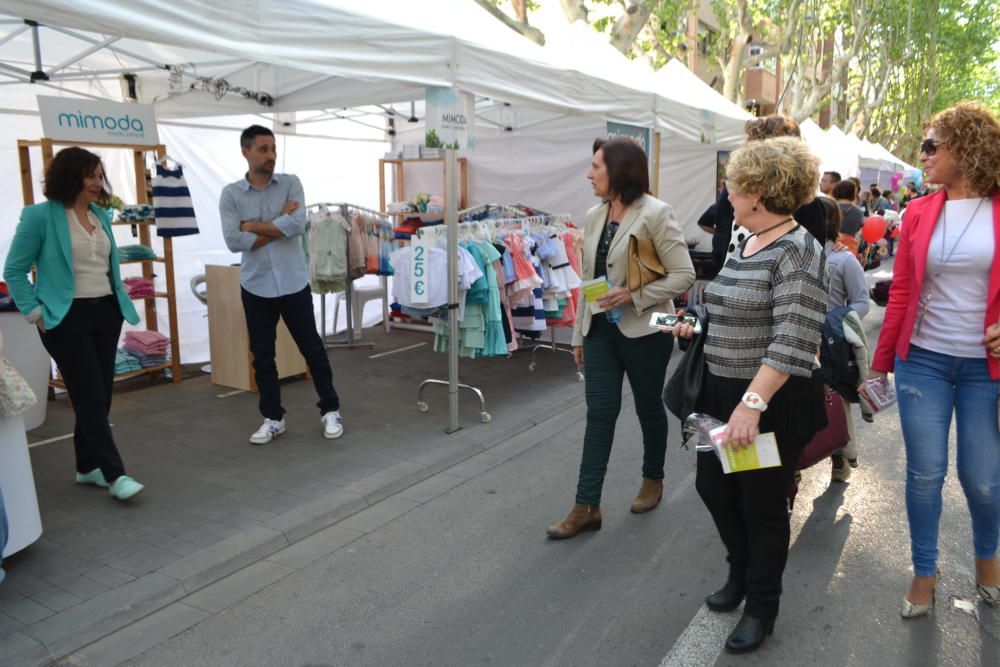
point(794, 414)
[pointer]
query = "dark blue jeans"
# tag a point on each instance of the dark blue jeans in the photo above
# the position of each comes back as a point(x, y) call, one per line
point(931, 387)
point(262, 324)
point(609, 356)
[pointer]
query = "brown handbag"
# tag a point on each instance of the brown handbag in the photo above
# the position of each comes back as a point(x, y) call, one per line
point(644, 265)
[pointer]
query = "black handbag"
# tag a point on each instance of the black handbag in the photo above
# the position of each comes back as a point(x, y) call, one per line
point(684, 387)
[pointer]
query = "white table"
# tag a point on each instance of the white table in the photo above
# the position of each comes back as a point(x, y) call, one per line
point(23, 348)
point(18, 484)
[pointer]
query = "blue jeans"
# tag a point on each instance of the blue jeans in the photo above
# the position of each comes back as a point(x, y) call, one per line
point(3, 533)
point(931, 386)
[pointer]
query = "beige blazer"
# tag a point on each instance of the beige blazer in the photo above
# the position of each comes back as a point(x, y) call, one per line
point(650, 218)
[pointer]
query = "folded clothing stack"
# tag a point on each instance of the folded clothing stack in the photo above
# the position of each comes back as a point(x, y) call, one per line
point(139, 288)
point(126, 363)
point(149, 347)
point(137, 213)
point(129, 253)
point(407, 228)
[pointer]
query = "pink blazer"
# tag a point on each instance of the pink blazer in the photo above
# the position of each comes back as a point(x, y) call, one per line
point(908, 279)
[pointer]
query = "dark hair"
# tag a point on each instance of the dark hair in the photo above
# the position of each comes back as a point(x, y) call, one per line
point(836, 175)
point(833, 217)
point(887, 194)
point(65, 174)
point(627, 165)
point(771, 126)
point(874, 188)
point(845, 190)
point(856, 181)
point(251, 133)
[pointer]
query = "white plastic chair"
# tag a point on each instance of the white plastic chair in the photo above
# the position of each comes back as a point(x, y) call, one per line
point(359, 297)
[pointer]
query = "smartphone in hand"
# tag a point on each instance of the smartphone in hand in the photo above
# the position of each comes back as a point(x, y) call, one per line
point(669, 320)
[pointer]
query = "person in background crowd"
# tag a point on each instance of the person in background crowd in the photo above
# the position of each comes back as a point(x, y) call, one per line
point(861, 197)
point(609, 347)
point(909, 195)
point(728, 235)
point(766, 310)
point(878, 204)
point(848, 287)
point(852, 219)
point(890, 200)
point(827, 181)
point(263, 217)
point(78, 303)
point(945, 295)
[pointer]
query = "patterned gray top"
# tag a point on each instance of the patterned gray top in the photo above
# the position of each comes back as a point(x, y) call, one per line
point(768, 309)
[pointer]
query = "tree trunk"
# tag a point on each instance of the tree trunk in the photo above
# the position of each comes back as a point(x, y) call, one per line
point(520, 10)
point(534, 34)
point(575, 10)
point(629, 25)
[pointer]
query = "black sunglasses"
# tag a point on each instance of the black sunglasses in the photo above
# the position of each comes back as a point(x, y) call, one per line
point(928, 146)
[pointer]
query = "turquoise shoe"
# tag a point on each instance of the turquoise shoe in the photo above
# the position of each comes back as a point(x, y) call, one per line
point(125, 487)
point(95, 477)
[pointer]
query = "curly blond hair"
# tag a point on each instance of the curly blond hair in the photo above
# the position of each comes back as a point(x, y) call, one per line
point(971, 133)
point(782, 171)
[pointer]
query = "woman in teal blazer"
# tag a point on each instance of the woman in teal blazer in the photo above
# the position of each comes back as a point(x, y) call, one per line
point(78, 303)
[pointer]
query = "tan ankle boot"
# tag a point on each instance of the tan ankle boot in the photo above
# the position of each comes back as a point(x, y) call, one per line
point(649, 495)
point(581, 517)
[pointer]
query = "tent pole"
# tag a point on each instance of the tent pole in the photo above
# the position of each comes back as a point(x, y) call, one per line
point(656, 165)
point(451, 219)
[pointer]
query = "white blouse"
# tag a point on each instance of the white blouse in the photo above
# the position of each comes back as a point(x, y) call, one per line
point(957, 281)
point(91, 257)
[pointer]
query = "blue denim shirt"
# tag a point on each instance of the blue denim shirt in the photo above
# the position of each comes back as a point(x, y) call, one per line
point(279, 267)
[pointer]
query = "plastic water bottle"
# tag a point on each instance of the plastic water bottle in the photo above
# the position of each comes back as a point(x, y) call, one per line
point(613, 314)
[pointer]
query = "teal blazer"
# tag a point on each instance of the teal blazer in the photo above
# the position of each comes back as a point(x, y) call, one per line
point(42, 240)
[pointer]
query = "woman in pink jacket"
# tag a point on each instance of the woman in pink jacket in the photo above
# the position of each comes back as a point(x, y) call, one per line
point(941, 337)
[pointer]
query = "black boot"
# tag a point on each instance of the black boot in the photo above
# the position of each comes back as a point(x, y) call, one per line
point(749, 634)
point(728, 597)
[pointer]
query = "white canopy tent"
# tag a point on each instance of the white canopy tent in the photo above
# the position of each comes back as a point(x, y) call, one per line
point(199, 60)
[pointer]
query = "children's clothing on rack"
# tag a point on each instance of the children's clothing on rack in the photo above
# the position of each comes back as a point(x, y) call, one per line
point(378, 242)
point(172, 200)
point(515, 275)
point(326, 246)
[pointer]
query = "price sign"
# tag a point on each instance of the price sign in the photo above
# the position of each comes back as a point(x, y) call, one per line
point(418, 279)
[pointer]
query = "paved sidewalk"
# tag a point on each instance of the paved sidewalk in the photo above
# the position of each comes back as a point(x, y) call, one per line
point(215, 505)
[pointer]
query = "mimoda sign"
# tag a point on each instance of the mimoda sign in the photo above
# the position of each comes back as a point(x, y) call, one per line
point(95, 121)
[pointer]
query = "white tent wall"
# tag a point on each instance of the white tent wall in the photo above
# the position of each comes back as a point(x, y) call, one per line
point(546, 166)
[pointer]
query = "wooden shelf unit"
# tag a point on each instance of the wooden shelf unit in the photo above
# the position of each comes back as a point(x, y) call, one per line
point(139, 164)
point(398, 171)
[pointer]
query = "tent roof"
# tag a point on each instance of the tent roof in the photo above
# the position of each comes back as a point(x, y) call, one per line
point(316, 54)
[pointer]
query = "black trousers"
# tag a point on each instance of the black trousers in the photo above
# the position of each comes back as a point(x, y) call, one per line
point(608, 357)
point(751, 515)
point(262, 324)
point(83, 346)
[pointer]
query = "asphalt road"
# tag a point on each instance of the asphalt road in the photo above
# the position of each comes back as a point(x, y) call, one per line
point(469, 578)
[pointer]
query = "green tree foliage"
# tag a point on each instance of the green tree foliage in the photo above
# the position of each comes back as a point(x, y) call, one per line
point(881, 68)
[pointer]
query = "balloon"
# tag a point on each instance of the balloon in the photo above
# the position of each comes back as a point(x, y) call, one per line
point(874, 228)
point(895, 233)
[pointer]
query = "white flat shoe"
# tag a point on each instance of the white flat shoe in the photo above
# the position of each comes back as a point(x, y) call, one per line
point(989, 594)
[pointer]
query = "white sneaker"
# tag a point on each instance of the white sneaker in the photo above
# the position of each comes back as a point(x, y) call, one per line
point(270, 429)
point(333, 425)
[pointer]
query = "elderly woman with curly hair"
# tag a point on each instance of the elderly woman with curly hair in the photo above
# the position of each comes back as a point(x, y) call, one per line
point(941, 337)
point(765, 316)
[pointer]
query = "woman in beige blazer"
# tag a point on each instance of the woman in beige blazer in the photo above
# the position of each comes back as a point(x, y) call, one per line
point(610, 348)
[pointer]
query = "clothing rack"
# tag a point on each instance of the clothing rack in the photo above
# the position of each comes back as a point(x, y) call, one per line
point(348, 339)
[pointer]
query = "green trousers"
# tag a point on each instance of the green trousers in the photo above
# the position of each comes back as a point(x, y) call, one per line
point(609, 356)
